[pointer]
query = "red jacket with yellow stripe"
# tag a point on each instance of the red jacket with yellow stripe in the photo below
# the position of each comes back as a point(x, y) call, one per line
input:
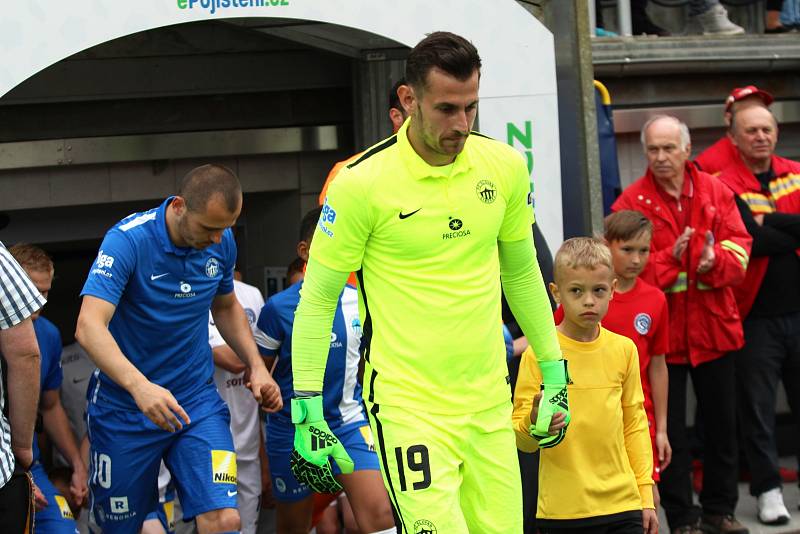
point(704, 320)
point(783, 196)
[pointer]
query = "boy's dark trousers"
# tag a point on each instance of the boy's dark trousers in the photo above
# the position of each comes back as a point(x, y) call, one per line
point(16, 504)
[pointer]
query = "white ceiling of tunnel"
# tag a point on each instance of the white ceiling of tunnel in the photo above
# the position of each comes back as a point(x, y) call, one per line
point(351, 42)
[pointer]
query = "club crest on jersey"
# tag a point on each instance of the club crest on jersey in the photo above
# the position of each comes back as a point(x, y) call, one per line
point(423, 526)
point(223, 467)
point(486, 191)
point(642, 323)
point(212, 267)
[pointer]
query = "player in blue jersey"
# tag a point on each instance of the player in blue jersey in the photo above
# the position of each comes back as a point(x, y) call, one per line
point(342, 406)
point(144, 322)
point(56, 517)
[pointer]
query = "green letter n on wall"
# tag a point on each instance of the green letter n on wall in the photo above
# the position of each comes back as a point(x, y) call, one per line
point(525, 139)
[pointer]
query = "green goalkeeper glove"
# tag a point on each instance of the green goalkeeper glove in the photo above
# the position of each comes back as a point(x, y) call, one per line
point(314, 446)
point(554, 399)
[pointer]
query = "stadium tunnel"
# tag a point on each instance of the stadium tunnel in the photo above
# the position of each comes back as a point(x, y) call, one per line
point(111, 130)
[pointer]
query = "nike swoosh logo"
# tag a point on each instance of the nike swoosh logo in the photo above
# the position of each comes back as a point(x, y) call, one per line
point(76, 380)
point(407, 215)
point(157, 276)
point(232, 493)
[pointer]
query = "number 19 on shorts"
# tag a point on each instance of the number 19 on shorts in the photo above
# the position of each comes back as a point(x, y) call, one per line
point(416, 458)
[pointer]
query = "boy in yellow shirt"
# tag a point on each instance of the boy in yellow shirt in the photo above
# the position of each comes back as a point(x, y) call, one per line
point(598, 480)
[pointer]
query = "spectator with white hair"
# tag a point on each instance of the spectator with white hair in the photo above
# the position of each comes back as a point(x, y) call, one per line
point(699, 251)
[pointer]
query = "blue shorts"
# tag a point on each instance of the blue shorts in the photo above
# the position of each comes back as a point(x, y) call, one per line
point(356, 438)
point(126, 452)
point(57, 518)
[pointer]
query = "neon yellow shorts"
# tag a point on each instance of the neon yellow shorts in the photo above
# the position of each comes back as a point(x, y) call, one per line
point(452, 474)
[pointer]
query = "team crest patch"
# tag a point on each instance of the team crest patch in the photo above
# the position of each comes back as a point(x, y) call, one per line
point(223, 466)
point(63, 507)
point(212, 267)
point(423, 526)
point(642, 323)
point(251, 316)
point(280, 485)
point(486, 191)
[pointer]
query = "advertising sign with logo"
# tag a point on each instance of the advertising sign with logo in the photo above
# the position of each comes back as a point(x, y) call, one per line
point(518, 82)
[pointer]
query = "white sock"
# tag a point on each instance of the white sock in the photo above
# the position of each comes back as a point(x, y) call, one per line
point(392, 530)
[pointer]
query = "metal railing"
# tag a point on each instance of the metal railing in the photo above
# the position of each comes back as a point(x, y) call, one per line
point(624, 22)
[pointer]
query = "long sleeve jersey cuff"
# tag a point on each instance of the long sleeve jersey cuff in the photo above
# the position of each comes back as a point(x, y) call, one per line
point(646, 494)
point(313, 320)
point(527, 296)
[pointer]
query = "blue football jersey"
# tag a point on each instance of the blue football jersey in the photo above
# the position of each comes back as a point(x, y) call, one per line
point(162, 295)
point(341, 394)
point(49, 340)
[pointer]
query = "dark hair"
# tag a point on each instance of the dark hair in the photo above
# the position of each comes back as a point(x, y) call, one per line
point(309, 224)
point(295, 267)
point(202, 183)
point(445, 51)
point(394, 100)
point(625, 225)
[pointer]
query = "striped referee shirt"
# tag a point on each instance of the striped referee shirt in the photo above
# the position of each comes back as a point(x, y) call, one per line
point(19, 298)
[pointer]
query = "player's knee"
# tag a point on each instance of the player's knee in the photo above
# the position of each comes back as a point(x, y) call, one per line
point(384, 518)
point(219, 521)
point(379, 517)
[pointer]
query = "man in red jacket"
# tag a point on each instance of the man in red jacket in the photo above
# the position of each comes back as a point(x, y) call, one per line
point(768, 189)
point(722, 153)
point(699, 251)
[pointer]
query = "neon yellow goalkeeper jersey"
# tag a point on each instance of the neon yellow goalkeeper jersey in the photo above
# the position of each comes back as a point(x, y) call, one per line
point(423, 241)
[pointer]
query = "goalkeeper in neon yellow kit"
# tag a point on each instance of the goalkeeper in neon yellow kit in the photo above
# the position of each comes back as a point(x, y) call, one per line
point(431, 219)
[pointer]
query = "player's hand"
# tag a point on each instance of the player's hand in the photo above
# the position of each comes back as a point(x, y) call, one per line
point(39, 501)
point(663, 449)
point(314, 446)
point(556, 423)
point(707, 256)
point(264, 388)
point(650, 521)
point(159, 406)
point(553, 400)
point(78, 484)
point(682, 243)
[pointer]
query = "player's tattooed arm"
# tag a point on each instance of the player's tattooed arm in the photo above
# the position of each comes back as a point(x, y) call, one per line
point(156, 402)
point(231, 321)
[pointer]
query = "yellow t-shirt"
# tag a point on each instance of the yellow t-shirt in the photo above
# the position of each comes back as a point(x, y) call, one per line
point(425, 242)
point(605, 462)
